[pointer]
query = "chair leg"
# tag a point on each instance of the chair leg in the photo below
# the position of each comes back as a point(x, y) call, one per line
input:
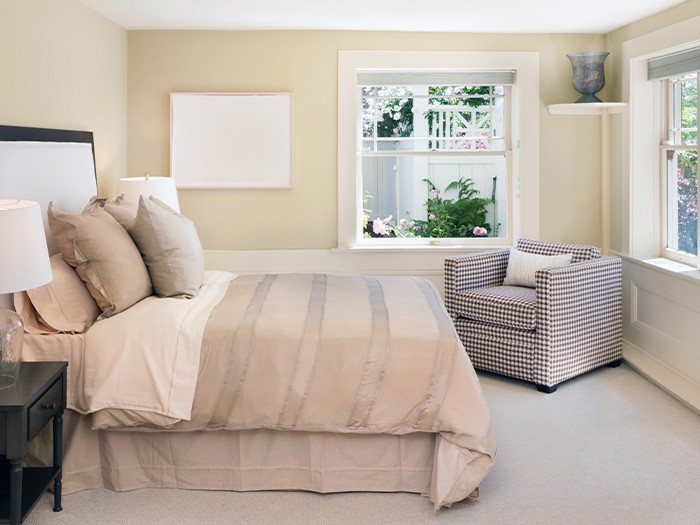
point(616, 363)
point(547, 389)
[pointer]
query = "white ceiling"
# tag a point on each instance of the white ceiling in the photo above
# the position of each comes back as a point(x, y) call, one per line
point(488, 16)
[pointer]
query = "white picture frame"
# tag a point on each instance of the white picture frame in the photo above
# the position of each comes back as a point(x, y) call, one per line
point(231, 140)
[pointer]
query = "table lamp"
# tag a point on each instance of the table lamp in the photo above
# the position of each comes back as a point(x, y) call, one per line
point(162, 188)
point(24, 264)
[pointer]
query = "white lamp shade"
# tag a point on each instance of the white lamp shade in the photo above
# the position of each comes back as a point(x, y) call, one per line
point(24, 256)
point(162, 188)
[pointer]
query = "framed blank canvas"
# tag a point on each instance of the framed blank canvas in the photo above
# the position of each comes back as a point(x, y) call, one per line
point(231, 140)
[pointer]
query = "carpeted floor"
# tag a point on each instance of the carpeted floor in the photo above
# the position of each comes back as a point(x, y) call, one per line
point(607, 448)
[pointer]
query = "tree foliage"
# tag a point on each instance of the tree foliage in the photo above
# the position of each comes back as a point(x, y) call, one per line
point(688, 201)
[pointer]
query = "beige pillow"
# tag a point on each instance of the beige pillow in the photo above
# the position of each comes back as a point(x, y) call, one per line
point(65, 304)
point(523, 265)
point(124, 212)
point(104, 256)
point(30, 319)
point(170, 247)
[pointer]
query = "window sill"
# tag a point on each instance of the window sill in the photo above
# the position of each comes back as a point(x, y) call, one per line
point(667, 266)
point(449, 248)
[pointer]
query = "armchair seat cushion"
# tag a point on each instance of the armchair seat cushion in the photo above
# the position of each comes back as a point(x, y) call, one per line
point(508, 306)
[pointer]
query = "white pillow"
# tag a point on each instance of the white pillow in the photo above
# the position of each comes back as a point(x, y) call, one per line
point(522, 266)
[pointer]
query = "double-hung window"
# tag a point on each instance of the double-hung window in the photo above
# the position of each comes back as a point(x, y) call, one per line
point(678, 74)
point(435, 153)
point(437, 148)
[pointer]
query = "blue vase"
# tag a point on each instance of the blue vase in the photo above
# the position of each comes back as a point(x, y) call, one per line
point(588, 74)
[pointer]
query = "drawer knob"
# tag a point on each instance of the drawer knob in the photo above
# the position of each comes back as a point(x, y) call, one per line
point(52, 406)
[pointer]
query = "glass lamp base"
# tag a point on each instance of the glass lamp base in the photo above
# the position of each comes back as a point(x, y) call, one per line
point(11, 335)
point(8, 375)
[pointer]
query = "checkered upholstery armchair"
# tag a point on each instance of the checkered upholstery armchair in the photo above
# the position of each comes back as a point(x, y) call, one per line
point(570, 323)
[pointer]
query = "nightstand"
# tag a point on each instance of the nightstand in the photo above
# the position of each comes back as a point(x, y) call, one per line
point(25, 408)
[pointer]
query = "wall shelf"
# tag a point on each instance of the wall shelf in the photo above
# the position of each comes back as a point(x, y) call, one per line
point(590, 108)
point(604, 110)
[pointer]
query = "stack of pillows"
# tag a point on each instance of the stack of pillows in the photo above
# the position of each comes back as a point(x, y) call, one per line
point(112, 255)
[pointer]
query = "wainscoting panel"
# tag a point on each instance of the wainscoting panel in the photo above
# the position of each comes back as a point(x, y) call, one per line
point(664, 317)
point(661, 327)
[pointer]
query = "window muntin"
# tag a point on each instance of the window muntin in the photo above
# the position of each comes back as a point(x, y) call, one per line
point(434, 160)
point(679, 154)
point(429, 118)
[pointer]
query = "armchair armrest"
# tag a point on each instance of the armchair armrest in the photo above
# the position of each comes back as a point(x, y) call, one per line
point(579, 308)
point(479, 270)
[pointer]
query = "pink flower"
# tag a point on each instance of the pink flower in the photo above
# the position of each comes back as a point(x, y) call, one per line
point(378, 227)
point(480, 231)
point(387, 220)
point(436, 192)
point(432, 217)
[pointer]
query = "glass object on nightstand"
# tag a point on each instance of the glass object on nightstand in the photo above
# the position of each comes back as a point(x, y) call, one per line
point(11, 335)
point(24, 264)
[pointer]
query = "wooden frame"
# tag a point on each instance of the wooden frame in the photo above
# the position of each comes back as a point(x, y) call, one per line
point(231, 140)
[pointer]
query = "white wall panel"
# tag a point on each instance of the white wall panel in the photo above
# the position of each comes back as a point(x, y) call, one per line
point(661, 326)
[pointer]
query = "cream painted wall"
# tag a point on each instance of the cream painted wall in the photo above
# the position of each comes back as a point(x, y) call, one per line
point(64, 66)
point(684, 11)
point(305, 63)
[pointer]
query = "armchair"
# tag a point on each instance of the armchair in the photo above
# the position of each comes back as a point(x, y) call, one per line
point(570, 323)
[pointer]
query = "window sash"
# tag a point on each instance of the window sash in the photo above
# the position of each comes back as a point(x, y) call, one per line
point(672, 123)
point(446, 116)
point(443, 147)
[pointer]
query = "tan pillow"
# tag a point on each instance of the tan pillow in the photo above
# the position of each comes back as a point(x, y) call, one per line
point(104, 256)
point(30, 319)
point(170, 247)
point(124, 212)
point(65, 304)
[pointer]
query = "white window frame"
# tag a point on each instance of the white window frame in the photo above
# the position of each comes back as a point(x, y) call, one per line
point(643, 186)
point(668, 187)
point(523, 210)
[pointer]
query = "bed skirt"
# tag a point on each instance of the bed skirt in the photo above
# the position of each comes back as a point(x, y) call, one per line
point(238, 460)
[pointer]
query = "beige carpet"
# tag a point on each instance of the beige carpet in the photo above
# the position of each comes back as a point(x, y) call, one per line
point(607, 447)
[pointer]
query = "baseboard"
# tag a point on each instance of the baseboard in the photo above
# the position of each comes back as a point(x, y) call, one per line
point(421, 263)
point(673, 381)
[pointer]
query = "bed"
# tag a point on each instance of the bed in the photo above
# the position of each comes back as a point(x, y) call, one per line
point(326, 383)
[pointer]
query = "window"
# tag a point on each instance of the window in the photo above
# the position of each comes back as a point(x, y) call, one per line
point(434, 149)
point(679, 154)
point(680, 166)
point(430, 149)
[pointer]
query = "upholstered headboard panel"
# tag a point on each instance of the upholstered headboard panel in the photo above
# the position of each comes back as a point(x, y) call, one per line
point(47, 165)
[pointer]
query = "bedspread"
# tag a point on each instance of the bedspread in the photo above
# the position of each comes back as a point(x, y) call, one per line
point(307, 352)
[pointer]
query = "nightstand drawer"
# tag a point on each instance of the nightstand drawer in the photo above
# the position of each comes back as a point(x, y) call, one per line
point(46, 407)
